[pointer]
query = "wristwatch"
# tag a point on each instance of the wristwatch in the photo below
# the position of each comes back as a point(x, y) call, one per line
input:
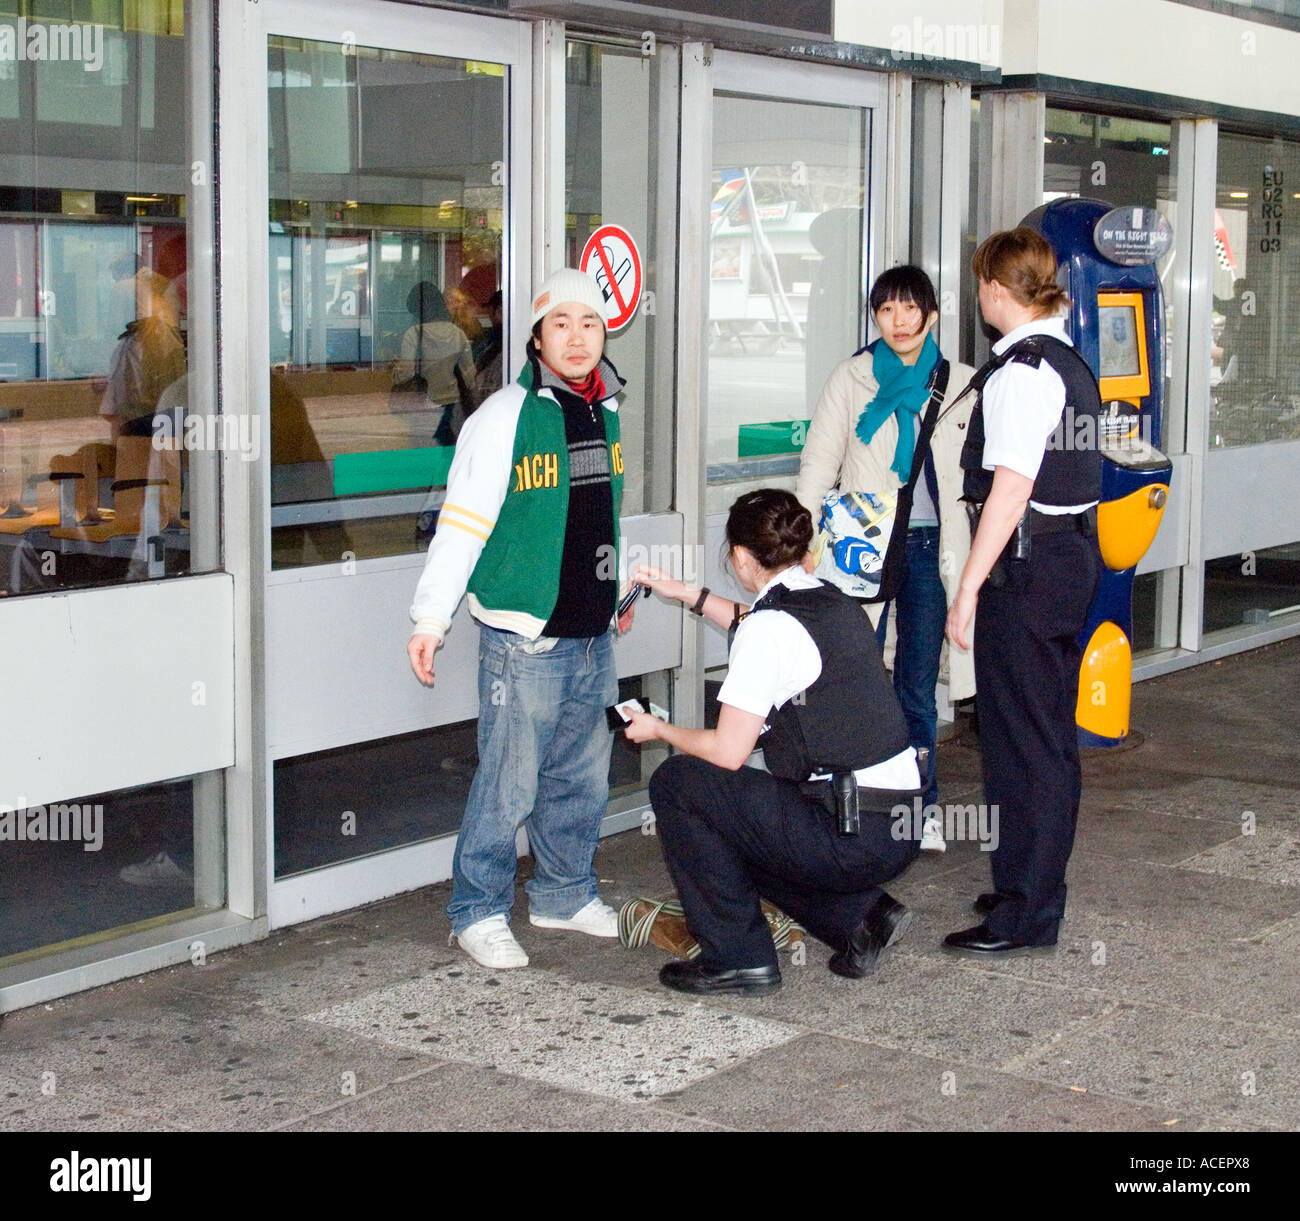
point(698, 608)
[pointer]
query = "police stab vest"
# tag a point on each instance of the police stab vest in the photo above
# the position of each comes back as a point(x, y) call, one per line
point(849, 718)
point(1071, 469)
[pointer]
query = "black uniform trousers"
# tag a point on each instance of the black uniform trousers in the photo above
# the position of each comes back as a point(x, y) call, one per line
point(1027, 659)
point(730, 838)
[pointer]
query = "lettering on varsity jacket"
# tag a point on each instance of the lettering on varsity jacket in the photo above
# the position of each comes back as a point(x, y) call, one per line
point(537, 471)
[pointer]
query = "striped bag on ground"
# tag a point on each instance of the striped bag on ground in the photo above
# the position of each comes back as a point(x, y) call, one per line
point(662, 922)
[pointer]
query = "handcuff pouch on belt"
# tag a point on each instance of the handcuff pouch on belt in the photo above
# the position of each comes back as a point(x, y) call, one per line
point(846, 799)
point(1020, 544)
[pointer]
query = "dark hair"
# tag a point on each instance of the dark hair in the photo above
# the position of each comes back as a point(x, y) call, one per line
point(1025, 265)
point(907, 284)
point(772, 525)
point(427, 303)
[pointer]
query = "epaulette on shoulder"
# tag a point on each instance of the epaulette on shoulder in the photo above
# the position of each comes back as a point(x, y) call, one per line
point(1027, 352)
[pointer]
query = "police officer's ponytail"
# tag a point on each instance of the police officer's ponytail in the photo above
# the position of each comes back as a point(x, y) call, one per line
point(772, 526)
point(1025, 265)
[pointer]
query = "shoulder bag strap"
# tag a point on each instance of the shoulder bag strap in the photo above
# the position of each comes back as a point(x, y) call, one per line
point(938, 388)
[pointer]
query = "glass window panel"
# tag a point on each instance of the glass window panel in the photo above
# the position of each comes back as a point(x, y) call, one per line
point(107, 862)
point(785, 289)
point(96, 252)
point(1284, 8)
point(337, 805)
point(1256, 588)
point(613, 111)
point(89, 85)
point(1119, 160)
point(1255, 377)
point(387, 174)
point(353, 801)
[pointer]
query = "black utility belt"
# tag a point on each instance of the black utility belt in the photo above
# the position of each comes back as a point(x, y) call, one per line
point(846, 800)
point(1033, 524)
point(1062, 523)
point(882, 801)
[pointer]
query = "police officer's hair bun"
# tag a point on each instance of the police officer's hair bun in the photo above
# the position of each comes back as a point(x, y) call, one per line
point(772, 525)
point(1023, 263)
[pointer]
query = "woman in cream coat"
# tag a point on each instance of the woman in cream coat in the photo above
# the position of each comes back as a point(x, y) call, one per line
point(905, 309)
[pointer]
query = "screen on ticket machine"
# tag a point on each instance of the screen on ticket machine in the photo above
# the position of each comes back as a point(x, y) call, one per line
point(1107, 257)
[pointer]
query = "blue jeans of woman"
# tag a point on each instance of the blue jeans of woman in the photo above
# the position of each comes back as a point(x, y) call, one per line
point(543, 751)
point(921, 610)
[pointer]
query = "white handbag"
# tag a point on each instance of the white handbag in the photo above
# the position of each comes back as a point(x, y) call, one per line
point(853, 540)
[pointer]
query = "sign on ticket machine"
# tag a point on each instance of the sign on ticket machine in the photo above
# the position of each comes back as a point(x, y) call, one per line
point(1116, 322)
point(611, 258)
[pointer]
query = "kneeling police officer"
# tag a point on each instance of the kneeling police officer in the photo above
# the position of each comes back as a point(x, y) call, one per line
point(812, 834)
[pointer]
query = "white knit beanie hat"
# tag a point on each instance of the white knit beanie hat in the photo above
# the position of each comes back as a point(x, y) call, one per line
point(568, 284)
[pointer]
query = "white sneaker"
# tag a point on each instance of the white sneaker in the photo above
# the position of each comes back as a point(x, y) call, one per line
point(597, 919)
point(932, 836)
point(490, 943)
point(158, 870)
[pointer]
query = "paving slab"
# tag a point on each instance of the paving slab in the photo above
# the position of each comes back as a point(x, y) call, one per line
point(824, 1084)
point(1251, 981)
point(1147, 835)
point(1218, 799)
point(940, 1009)
point(621, 1043)
point(1267, 855)
point(196, 1063)
point(463, 1098)
point(1183, 1062)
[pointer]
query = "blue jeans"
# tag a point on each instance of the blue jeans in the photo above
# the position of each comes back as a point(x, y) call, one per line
point(543, 762)
point(922, 610)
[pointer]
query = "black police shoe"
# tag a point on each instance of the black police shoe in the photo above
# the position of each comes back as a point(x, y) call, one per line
point(884, 924)
point(980, 942)
point(697, 978)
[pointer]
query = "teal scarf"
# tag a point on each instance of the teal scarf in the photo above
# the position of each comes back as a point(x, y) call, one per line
point(902, 392)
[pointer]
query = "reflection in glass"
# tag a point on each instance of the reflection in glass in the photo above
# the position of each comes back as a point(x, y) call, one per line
point(336, 805)
point(616, 134)
point(786, 278)
point(1255, 373)
point(387, 197)
point(96, 194)
point(128, 857)
point(1256, 588)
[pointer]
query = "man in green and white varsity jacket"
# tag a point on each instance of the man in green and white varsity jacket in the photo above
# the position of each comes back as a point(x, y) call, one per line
point(529, 532)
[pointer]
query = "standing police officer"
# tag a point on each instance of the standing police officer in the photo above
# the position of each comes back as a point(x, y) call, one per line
point(1034, 569)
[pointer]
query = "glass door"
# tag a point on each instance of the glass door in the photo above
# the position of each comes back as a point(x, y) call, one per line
point(393, 245)
point(795, 227)
point(1251, 518)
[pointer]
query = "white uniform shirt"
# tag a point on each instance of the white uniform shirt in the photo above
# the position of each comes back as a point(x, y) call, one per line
point(1022, 407)
point(773, 658)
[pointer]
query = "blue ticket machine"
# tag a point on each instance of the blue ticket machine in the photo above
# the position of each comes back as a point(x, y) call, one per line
point(1107, 258)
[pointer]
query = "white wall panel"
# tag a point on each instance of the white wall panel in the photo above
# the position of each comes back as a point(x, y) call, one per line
point(336, 665)
point(1250, 500)
point(115, 687)
point(1151, 46)
point(1157, 47)
point(963, 30)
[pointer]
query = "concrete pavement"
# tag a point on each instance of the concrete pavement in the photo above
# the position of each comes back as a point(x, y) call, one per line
point(1173, 1001)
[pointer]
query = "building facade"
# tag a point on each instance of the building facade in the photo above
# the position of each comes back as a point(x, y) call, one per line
point(218, 433)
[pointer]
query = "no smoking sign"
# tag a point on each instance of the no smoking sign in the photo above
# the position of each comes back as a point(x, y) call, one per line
point(611, 258)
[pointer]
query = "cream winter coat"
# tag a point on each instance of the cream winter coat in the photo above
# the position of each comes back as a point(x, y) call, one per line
point(834, 457)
